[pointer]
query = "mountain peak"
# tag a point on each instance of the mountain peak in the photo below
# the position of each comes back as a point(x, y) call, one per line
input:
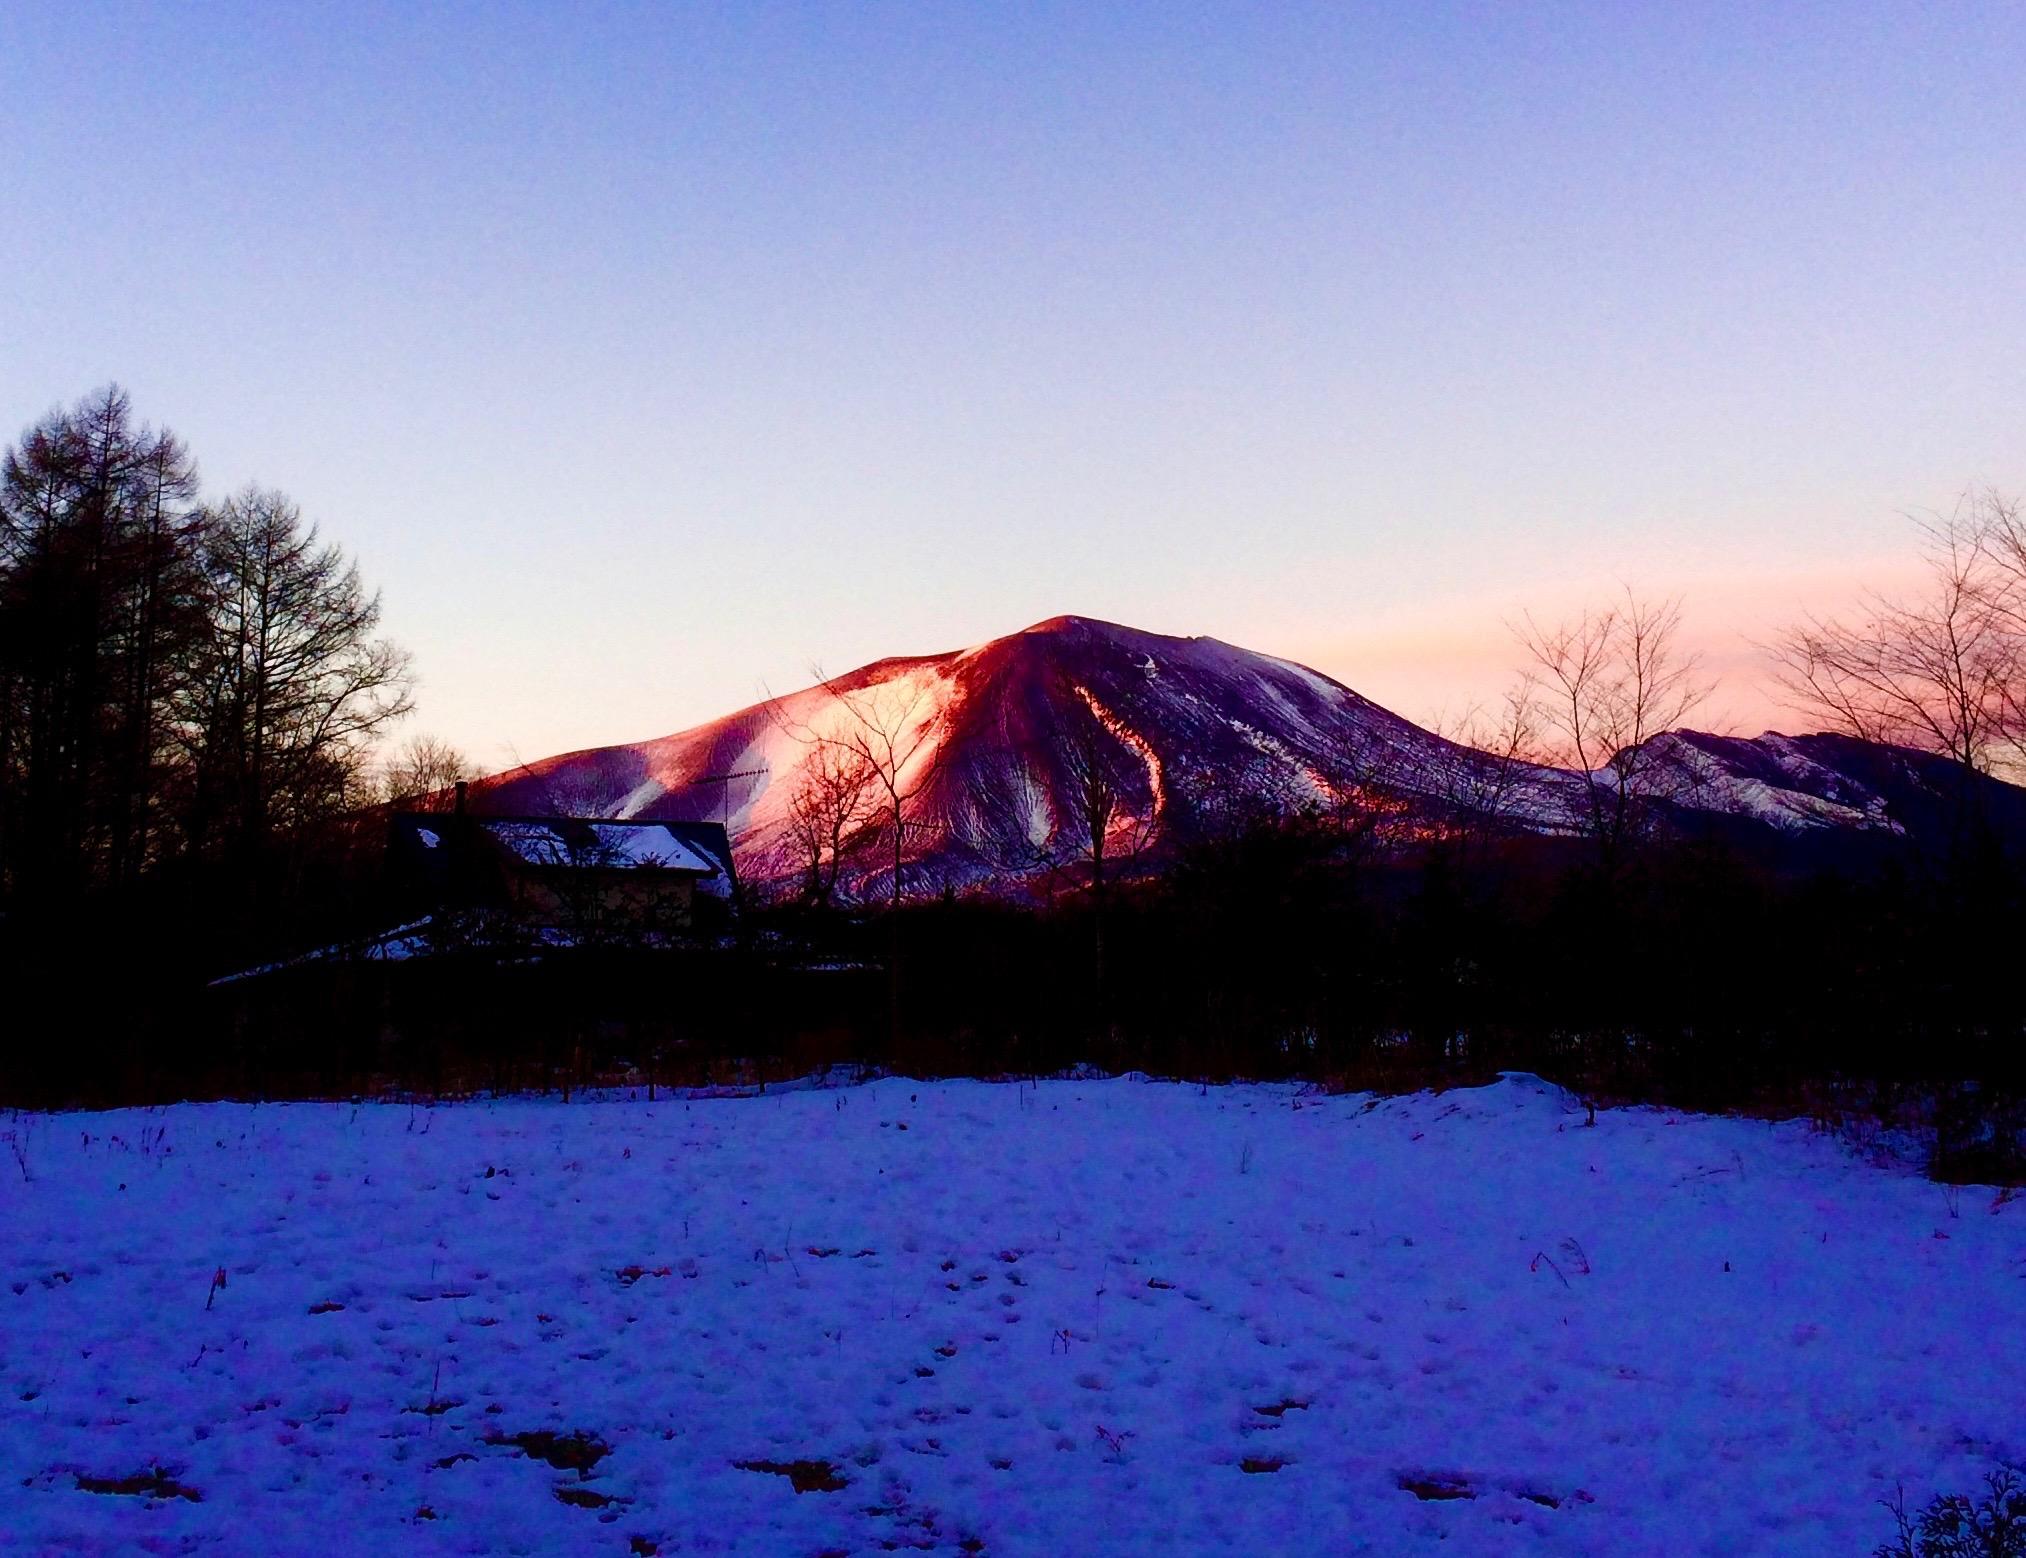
point(1070, 625)
point(1068, 622)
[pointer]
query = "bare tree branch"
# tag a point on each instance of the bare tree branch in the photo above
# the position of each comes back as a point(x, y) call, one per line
point(1607, 683)
point(1942, 670)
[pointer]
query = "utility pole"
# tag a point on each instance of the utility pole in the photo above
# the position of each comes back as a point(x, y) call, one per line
point(723, 780)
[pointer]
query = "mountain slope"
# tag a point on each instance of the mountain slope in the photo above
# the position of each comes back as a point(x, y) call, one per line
point(1827, 787)
point(992, 749)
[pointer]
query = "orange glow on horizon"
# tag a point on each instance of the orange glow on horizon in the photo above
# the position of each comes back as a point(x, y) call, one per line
point(1435, 665)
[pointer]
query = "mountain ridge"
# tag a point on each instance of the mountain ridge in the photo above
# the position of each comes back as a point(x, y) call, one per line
point(992, 751)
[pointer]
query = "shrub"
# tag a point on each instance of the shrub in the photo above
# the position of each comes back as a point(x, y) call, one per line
point(1955, 1526)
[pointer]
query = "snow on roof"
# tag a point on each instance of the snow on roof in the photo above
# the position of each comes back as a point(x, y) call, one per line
point(649, 844)
point(535, 842)
point(394, 945)
point(616, 845)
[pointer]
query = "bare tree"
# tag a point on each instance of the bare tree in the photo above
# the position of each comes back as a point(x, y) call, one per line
point(423, 774)
point(1942, 669)
point(887, 727)
point(1099, 757)
point(886, 730)
point(1487, 783)
point(1608, 683)
point(1999, 522)
point(1099, 760)
point(827, 815)
point(2001, 528)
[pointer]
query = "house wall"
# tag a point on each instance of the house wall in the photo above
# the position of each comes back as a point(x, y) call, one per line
point(589, 900)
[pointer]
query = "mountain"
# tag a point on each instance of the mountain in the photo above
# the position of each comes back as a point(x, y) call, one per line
point(1818, 793)
point(993, 749)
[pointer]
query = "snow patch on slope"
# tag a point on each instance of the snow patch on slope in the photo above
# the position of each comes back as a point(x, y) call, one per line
point(641, 796)
point(1712, 784)
point(1136, 743)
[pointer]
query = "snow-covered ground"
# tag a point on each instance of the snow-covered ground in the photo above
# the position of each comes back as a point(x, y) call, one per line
point(1084, 1317)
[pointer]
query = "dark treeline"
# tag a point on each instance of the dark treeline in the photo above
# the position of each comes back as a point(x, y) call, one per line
point(191, 688)
point(188, 691)
point(1691, 973)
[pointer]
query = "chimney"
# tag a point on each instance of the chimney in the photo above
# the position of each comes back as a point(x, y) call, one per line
point(462, 787)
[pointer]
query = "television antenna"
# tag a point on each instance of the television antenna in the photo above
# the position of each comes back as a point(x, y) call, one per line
point(724, 783)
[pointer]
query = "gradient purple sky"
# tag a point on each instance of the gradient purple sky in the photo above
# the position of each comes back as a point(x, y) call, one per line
point(647, 354)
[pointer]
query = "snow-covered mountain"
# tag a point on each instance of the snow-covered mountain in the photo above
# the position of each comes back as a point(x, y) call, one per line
point(1818, 791)
point(991, 749)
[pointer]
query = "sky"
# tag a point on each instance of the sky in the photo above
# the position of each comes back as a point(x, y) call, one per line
point(648, 356)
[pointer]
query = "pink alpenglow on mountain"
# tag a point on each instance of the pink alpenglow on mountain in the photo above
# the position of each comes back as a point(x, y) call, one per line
point(994, 754)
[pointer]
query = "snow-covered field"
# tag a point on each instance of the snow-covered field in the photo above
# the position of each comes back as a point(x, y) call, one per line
point(1102, 1317)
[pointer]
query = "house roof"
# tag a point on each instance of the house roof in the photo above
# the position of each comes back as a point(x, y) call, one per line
point(697, 849)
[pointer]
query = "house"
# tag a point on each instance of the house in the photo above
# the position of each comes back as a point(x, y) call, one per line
point(581, 875)
point(510, 951)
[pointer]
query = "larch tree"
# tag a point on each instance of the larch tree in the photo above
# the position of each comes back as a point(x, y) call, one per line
point(101, 617)
point(296, 682)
